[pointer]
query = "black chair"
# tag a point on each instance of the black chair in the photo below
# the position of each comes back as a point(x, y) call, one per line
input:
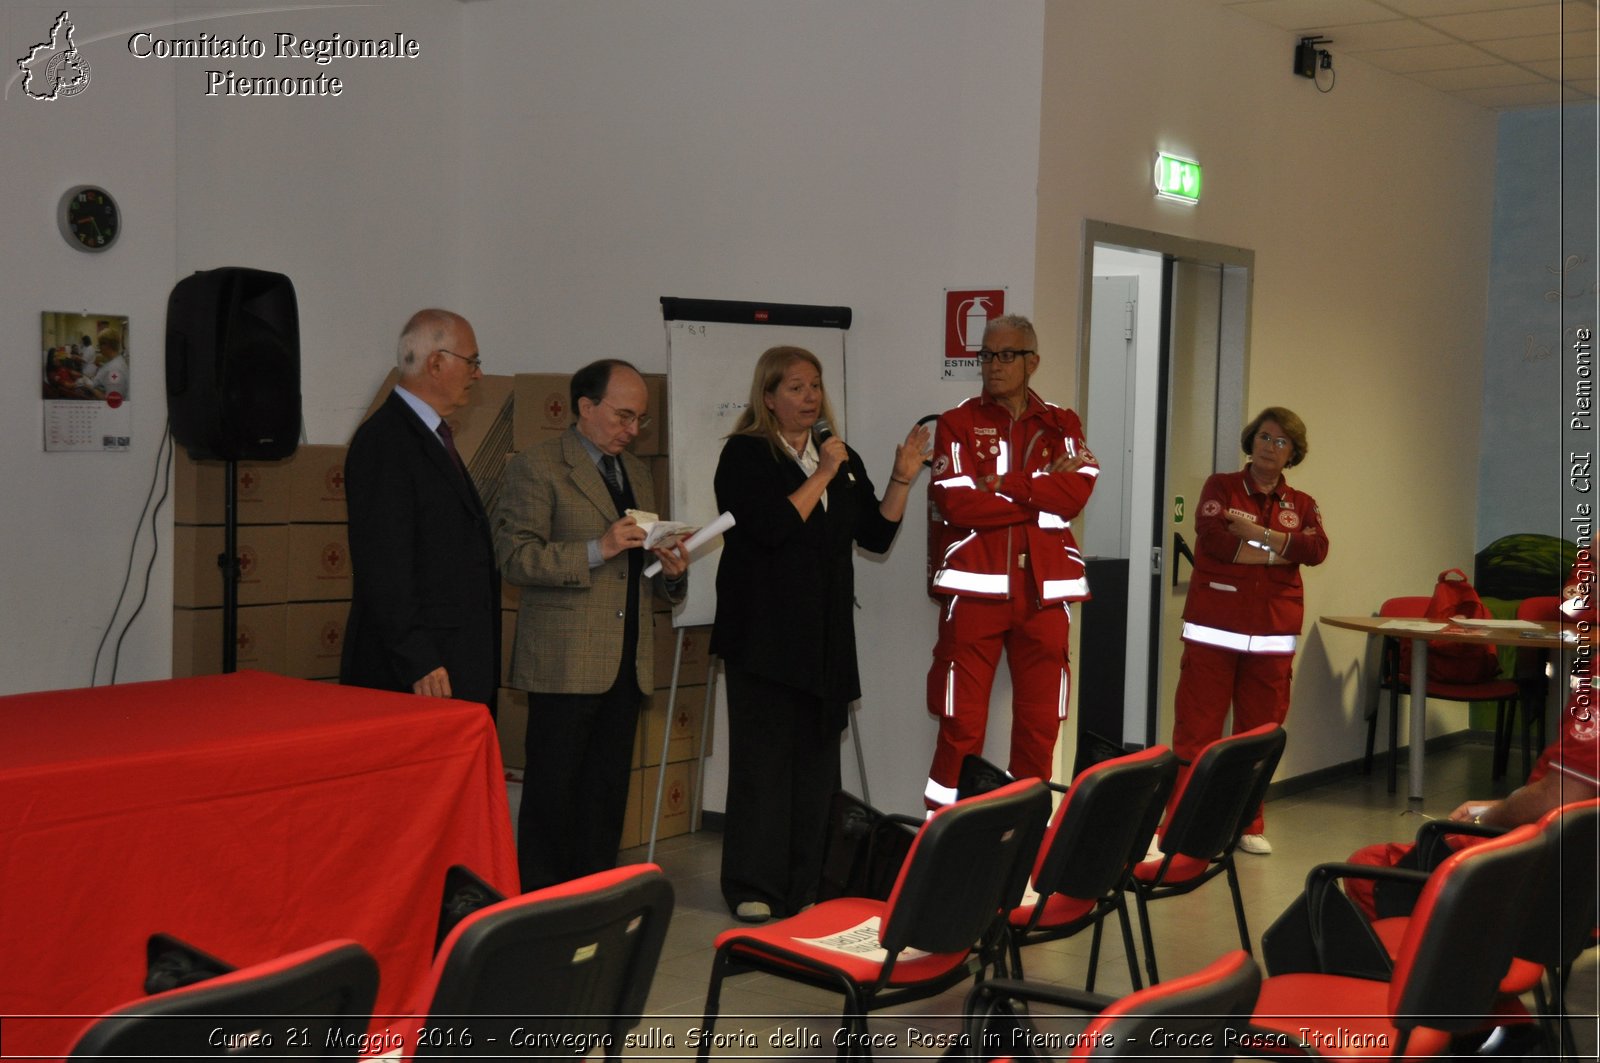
point(942, 924)
point(570, 965)
point(1194, 1016)
point(1215, 803)
point(1455, 950)
point(1100, 833)
point(311, 1004)
point(1533, 687)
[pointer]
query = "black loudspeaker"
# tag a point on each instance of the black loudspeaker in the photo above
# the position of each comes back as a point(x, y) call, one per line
point(233, 365)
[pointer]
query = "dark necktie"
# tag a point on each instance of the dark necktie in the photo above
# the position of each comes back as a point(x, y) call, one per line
point(449, 439)
point(613, 475)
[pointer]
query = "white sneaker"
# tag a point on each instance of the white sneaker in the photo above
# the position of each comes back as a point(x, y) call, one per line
point(1255, 844)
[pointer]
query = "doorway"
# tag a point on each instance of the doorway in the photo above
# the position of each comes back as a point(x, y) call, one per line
point(1163, 361)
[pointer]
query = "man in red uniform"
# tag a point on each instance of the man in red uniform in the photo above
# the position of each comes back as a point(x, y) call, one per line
point(1009, 473)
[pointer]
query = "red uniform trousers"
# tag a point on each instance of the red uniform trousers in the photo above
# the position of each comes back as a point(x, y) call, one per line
point(972, 632)
point(1256, 685)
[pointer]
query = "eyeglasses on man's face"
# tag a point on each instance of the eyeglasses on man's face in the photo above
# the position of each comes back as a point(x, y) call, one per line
point(1278, 442)
point(475, 363)
point(1005, 357)
point(628, 418)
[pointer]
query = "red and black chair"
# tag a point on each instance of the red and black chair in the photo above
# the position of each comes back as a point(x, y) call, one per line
point(1559, 906)
point(1099, 834)
point(312, 1004)
point(569, 966)
point(1198, 1015)
point(1455, 950)
point(1505, 693)
point(942, 924)
point(1215, 803)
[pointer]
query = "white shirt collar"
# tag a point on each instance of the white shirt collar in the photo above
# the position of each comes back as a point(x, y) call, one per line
point(429, 415)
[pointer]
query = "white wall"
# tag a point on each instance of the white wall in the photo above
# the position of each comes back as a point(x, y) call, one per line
point(68, 520)
point(833, 152)
point(1368, 209)
point(552, 168)
point(355, 198)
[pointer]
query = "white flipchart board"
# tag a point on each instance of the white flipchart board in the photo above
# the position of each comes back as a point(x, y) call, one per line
point(709, 367)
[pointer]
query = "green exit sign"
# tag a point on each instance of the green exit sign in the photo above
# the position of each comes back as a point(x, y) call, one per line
point(1177, 178)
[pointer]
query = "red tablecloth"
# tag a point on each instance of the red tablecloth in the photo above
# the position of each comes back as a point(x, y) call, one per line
point(247, 814)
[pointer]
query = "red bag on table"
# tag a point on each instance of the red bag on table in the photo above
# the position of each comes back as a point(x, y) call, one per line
point(1454, 662)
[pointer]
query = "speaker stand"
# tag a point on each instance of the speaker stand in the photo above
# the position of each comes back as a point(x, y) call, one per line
point(228, 562)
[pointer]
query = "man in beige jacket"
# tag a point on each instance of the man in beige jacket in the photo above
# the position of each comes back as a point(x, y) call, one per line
point(583, 647)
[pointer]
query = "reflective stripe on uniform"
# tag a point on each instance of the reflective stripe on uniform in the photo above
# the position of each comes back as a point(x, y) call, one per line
point(1065, 588)
point(1053, 521)
point(1238, 643)
point(974, 582)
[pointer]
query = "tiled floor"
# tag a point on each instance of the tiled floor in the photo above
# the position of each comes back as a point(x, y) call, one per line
point(766, 1017)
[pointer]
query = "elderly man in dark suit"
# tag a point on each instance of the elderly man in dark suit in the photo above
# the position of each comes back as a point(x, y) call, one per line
point(425, 613)
point(583, 647)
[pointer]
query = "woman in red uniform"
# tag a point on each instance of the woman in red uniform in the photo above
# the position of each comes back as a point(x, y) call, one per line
point(1242, 618)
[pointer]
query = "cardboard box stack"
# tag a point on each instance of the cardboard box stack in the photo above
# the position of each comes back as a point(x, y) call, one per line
point(542, 409)
point(294, 565)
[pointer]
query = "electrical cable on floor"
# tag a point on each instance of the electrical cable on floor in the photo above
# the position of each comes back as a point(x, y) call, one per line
point(164, 453)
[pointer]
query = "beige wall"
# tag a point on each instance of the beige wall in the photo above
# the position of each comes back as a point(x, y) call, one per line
point(1368, 209)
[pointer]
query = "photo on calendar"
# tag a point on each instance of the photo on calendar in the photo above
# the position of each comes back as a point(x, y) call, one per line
point(85, 356)
point(85, 380)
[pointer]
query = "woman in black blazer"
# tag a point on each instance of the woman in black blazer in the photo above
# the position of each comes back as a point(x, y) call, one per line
point(784, 630)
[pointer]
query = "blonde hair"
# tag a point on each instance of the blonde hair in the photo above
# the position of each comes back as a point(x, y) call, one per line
point(757, 420)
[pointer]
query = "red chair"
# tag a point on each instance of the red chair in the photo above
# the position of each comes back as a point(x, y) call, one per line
point(1195, 1016)
point(1215, 803)
point(942, 923)
point(1100, 832)
point(1559, 906)
point(569, 966)
point(313, 1003)
point(1504, 692)
point(1455, 950)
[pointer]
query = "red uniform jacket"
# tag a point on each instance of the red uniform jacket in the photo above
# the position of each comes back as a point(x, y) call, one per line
point(984, 532)
point(1252, 599)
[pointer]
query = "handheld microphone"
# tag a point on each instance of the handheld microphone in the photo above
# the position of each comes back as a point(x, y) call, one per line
point(824, 432)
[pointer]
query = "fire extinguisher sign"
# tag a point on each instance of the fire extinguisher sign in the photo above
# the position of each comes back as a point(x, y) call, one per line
point(966, 313)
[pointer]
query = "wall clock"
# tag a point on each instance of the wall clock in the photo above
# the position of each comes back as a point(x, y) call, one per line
point(89, 219)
